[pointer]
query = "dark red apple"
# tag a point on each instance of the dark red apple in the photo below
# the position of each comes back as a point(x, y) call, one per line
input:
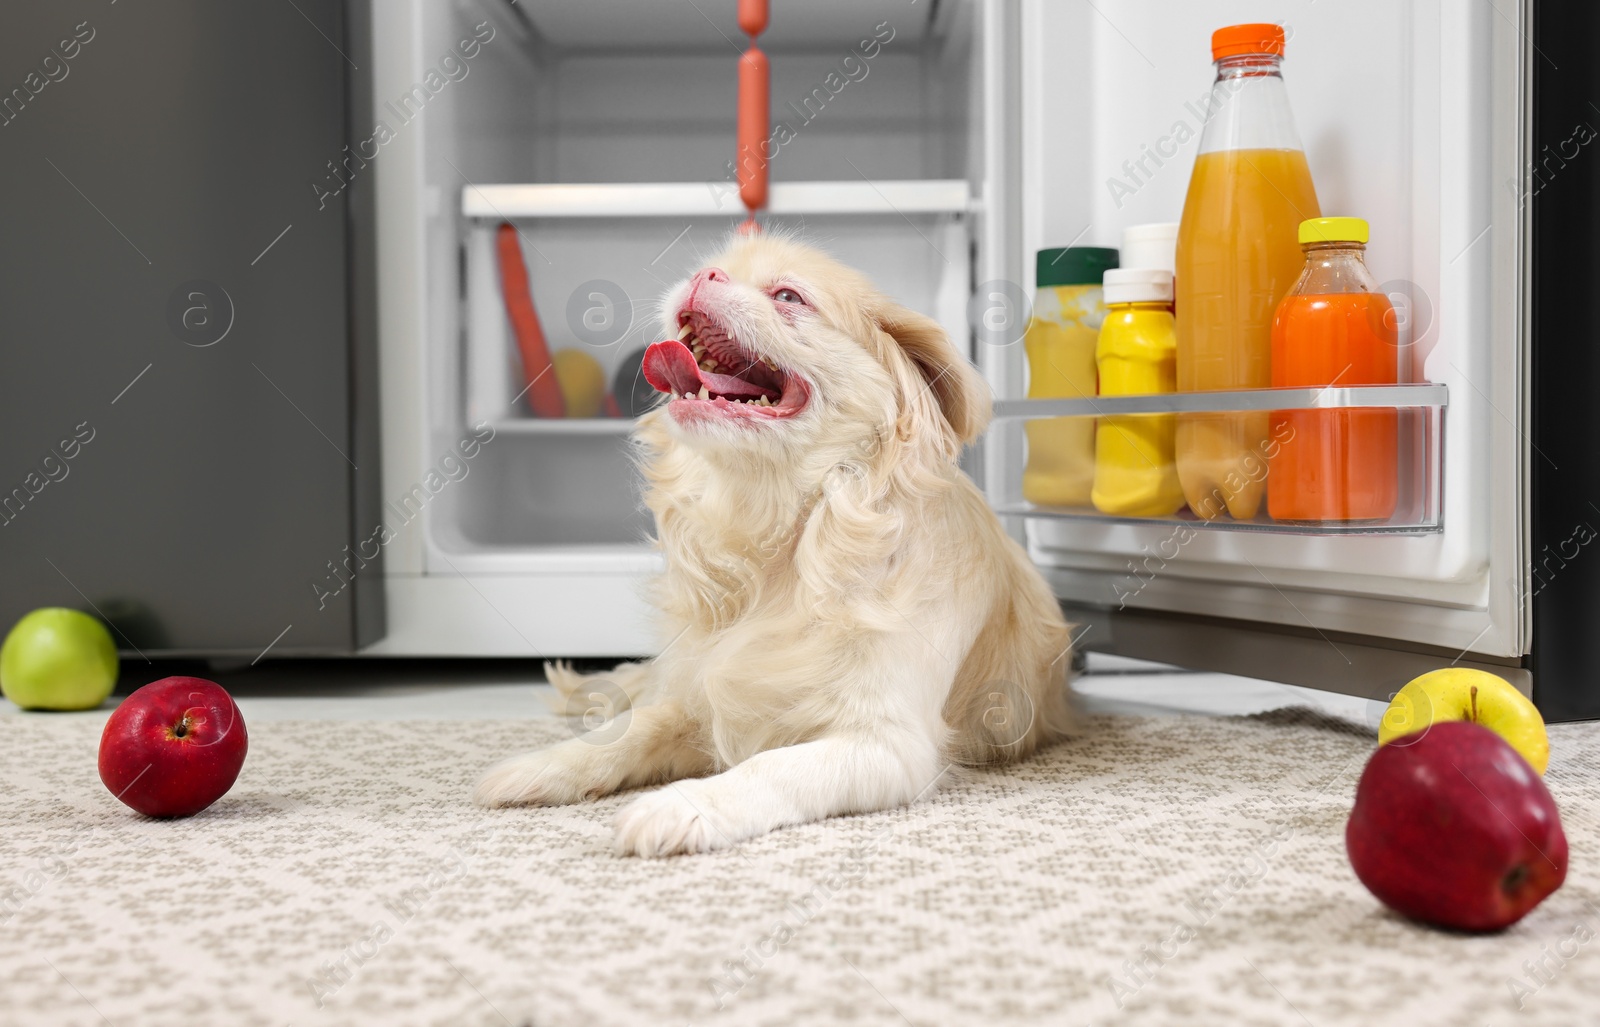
point(1452, 827)
point(173, 747)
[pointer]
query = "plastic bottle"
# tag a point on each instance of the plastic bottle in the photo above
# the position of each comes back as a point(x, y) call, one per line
point(1151, 246)
point(1134, 471)
point(1237, 257)
point(1334, 328)
point(1060, 342)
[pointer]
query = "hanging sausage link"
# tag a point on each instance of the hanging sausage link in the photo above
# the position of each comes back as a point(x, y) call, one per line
point(755, 113)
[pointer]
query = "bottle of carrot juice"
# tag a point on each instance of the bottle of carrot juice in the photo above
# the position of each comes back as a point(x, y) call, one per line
point(1237, 257)
point(1335, 329)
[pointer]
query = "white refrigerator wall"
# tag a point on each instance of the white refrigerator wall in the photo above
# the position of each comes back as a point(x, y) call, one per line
point(1411, 114)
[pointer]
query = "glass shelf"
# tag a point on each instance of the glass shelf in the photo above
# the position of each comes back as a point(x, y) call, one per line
point(1352, 460)
point(566, 425)
point(1186, 519)
point(500, 202)
point(1243, 400)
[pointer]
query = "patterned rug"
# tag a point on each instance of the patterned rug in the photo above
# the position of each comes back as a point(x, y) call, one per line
point(1162, 870)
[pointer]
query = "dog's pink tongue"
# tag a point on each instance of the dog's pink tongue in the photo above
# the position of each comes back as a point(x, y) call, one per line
point(669, 367)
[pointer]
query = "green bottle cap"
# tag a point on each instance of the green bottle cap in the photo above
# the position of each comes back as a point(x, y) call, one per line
point(1073, 265)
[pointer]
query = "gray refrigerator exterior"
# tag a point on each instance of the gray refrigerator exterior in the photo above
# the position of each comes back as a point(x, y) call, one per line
point(187, 377)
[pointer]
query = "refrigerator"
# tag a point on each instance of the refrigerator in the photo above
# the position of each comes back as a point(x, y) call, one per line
point(937, 146)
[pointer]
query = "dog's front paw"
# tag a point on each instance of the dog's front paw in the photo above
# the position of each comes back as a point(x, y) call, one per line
point(557, 776)
point(671, 820)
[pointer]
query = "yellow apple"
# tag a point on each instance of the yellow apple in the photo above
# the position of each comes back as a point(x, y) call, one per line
point(1458, 693)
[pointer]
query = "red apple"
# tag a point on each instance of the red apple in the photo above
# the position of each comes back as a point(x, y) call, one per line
point(173, 747)
point(1452, 827)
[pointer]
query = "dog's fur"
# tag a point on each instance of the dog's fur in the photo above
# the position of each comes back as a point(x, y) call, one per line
point(844, 615)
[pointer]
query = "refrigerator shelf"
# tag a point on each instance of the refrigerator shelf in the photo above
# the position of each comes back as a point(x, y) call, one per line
point(708, 199)
point(566, 425)
point(1260, 525)
point(1356, 460)
point(596, 280)
point(1383, 396)
point(1427, 395)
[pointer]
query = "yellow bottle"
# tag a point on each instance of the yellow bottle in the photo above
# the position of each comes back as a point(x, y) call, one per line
point(1135, 471)
point(1060, 342)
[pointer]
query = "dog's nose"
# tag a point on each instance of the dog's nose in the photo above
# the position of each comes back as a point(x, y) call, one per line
point(710, 274)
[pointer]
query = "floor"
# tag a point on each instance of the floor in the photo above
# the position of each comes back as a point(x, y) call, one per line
point(453, 690)
point(1180, 863)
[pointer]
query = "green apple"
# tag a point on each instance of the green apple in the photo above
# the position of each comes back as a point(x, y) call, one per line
point(58, 659)
point(1459, 693)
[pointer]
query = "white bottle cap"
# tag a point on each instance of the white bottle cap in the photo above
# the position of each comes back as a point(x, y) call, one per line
point(1137, 285)
point(1150, 246)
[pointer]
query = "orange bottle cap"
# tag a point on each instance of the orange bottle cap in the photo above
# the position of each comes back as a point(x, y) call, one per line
point(1255, 37)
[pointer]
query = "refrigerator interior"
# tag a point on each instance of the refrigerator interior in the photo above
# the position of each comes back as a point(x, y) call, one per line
point(975, 133)
point(600, 95)
point(604, 133)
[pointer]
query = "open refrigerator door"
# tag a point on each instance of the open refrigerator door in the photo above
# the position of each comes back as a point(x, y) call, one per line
point(1412, 117)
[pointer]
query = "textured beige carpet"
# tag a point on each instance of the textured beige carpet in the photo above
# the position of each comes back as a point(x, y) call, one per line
point(1166, 870)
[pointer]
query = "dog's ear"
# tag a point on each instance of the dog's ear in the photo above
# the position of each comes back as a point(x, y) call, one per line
point(963, 397)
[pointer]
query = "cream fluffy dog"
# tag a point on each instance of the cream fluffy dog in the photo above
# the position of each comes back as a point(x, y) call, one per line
point(844, 615)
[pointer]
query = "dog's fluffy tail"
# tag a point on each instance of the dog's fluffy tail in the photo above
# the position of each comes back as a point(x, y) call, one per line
point(602, 695)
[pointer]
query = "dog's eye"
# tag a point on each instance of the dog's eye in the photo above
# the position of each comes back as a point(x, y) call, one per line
point(787, 295)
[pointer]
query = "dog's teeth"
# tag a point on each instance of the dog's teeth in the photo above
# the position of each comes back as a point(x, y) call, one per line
point(769, 363)
point(764, 401)
point(705, 393)
point(685, 332)
point(711, 364)
point(698, 350)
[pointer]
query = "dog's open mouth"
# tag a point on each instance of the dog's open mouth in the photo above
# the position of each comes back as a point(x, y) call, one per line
point(707, 373)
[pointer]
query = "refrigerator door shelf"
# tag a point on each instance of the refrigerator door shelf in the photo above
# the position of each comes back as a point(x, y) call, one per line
point(1320, 398)
point(1417, 428)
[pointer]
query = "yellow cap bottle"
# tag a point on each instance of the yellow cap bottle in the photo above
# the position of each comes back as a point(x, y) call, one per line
point(1135, 473)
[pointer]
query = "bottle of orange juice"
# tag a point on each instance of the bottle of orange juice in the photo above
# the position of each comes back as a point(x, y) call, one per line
point(1237, 257)
point(1334, 328)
